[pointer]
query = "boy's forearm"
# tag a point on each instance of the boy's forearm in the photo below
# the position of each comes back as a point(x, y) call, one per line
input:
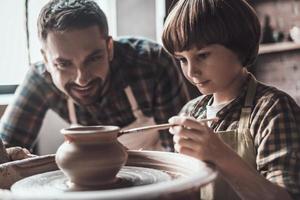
point(247, 183)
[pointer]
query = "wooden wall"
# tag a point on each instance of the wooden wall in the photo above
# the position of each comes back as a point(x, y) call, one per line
point(282, 70)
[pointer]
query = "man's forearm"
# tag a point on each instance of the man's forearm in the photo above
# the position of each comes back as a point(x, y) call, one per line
point(247, 183)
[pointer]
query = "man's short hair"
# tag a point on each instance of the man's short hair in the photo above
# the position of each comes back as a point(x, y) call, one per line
point(231, 23)
point(62, 15)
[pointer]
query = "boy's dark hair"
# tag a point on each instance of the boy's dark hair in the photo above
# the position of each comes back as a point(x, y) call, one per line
point(231, 23)
point(62, 15)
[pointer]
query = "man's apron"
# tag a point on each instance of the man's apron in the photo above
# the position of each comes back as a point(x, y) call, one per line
point(136, 141)
point(240, 141)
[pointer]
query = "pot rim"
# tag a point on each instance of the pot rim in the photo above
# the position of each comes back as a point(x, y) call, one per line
point(87, 130)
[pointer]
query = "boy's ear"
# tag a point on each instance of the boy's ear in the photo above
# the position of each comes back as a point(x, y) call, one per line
point(110, 48)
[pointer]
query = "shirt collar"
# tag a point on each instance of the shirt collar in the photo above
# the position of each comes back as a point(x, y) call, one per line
point(200, 107)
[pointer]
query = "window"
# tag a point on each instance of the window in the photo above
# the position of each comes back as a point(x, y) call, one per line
point(14, 60)
point(13, 54)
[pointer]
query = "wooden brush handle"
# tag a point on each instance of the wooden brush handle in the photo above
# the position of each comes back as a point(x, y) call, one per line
point(146, 128)
point(156, 127)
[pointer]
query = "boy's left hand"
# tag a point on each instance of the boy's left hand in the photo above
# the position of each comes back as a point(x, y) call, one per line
point(196, 139)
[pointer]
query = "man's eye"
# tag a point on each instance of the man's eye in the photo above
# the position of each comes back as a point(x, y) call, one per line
point(62, 65)
point(95, 58)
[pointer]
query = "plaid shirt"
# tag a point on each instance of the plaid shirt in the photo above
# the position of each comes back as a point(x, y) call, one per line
point(152, 75)
point(274, 126)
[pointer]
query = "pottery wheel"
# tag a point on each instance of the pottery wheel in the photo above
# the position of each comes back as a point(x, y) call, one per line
point(151, 175)
point(57, 182)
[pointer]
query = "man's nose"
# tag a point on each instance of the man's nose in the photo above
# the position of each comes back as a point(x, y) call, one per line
point(82, 76)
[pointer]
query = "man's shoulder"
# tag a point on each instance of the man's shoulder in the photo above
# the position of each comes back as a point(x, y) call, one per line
point(142, 52)
point(38, 70)
point(37, 76)
point(39, 67)
point(139, 48)
point(137, 43)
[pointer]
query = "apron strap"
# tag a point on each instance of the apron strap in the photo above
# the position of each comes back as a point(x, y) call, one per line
point(148, 141)
point(246, 110)
point(72, 112)
point(247, 150)
point(251, 92)
point(133, 103)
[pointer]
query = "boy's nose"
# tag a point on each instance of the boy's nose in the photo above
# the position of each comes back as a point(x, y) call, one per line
point(193, 70)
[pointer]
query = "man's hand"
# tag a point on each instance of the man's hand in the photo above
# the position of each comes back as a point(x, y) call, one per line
point(18, 153)
point(12, 171)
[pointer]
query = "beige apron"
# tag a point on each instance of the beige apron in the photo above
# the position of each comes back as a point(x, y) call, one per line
point(146, 141)
point(240, 141)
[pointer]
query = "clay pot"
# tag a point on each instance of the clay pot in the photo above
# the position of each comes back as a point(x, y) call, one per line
point(91, 156)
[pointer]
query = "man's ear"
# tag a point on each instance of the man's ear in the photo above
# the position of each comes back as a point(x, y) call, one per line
point(44, 55)
point(45, 59)
point(110, 48)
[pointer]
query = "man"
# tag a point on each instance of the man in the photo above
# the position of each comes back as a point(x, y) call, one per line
point(89, 79)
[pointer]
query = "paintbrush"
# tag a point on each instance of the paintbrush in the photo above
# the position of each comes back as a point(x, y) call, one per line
point(157, 127)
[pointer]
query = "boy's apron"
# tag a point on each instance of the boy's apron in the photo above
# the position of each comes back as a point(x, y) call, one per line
point(240, 141)
point(146, 141)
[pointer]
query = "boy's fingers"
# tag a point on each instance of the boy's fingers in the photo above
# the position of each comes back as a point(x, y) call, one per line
point(189, 122)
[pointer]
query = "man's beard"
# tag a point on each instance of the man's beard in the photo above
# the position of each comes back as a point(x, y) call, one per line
point(86, 96)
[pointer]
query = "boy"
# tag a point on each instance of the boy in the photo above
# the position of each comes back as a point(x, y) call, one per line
point(255, 142)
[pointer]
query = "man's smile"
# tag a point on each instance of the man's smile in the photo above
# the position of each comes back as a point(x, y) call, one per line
point(83, 91)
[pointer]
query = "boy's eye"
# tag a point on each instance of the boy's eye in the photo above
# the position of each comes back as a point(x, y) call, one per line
point(181, 60)
point(203, 55)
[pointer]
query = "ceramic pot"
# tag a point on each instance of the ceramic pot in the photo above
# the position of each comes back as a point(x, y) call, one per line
point(91, 156)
